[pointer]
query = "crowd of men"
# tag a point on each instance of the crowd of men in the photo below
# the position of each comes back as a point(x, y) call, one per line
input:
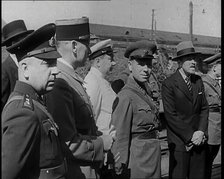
point(56, 124)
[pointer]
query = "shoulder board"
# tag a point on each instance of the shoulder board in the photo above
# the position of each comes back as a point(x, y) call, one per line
point(28, 102)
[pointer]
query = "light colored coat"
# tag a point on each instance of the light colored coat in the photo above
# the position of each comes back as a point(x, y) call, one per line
point(102, 97)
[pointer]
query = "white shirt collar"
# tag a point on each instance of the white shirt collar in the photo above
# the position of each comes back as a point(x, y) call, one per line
point(183, 74)
point(13, 56)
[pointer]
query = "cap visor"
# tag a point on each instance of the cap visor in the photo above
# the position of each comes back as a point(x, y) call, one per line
point(48, 55)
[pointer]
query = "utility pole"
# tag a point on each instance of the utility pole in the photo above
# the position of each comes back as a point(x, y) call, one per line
point(152, 24)
point(191, 21)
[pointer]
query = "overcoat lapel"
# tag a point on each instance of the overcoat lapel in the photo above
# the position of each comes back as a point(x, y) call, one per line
point(182, 86)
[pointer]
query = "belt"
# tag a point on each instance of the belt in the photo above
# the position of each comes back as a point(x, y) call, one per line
point(54, 172)
point(215, 109)
point(147, 135)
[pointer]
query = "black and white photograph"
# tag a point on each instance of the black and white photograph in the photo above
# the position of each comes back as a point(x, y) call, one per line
point(111, 89)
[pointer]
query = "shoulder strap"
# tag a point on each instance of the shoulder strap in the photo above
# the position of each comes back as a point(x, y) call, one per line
point(37, 104)
point(211, 86)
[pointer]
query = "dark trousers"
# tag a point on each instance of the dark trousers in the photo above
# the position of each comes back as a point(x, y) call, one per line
point(212, 151)
point(188, 165)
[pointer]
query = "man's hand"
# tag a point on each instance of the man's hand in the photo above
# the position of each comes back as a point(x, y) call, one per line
point(118, 166)
point(107, 142)
point(197, 137)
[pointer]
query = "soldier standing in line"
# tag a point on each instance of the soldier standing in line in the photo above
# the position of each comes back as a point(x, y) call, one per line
point(213, 96)
point(12, 33)
point(70, 105)
point(136, 149)
point(30, 138)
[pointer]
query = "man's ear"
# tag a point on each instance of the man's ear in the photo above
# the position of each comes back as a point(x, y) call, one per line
point(74, 48)
point(25, 69)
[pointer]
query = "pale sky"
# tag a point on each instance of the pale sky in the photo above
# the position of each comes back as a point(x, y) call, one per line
point(170, 15)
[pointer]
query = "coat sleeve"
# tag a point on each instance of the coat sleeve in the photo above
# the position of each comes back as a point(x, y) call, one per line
point(60, 103)
point(203, 124)
point(5, 85)
point(122, 118)
point(178, 126)
point(93, 90)
point(20, 138)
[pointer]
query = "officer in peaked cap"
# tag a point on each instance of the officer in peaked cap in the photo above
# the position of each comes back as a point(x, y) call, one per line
point(11, 33)
point(30, 143)
point(70, 104)
point(135, 111)
point(100, 92)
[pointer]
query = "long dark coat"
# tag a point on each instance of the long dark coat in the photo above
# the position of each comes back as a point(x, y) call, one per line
point(70, 106)
point(9, 77)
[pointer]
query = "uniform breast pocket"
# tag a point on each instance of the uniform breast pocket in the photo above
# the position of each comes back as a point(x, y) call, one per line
point(143, 108)
point(50, 142)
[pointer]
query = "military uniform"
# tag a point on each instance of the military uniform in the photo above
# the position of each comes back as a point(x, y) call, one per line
point(137, 146)
point(213, 96)
point(29, 138)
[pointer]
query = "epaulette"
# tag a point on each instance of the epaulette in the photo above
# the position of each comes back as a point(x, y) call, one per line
point(28, 102)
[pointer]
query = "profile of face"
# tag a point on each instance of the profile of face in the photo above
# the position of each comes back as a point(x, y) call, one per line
point(217, 70)
point(189, 65)
point(81, 52)
point(40, 74)
point(140, 69)
point(106, 63)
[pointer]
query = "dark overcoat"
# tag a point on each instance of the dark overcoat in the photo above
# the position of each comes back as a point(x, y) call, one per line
point(70, 106)
point(30, 143)
point(9, 77)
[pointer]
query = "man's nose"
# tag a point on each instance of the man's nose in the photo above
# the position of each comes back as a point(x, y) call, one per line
point(55, 71)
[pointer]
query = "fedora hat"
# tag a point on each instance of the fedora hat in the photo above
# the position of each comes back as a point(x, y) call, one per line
point(142, 49)
point(185, 48)
point(73, 29)
point(14, 30)
point(214, 59)
point(38, 44)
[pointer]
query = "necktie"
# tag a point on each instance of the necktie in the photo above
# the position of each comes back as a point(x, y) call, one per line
point(189, 84)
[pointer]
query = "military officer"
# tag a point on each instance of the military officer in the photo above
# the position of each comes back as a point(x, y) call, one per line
point(30, 137)
point(135, 116)
point(70, 105)
point(213, 96)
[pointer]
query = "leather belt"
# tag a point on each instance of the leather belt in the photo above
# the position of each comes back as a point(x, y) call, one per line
point(147, 135)
point(217, 109)
point(54, 172)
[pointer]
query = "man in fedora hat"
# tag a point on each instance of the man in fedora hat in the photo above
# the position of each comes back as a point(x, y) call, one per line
point(11, 33)
point(30, 138)
point(186, 114)
point(213, 96)
point(70, 105)
point(135, 118)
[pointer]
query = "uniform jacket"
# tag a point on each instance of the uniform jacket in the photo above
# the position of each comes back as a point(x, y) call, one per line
point(214, 101)
point(133, 116)
point(9, 77)
point(70, 106)
point(28, 143)
point(102, 97)
point(184, 113)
